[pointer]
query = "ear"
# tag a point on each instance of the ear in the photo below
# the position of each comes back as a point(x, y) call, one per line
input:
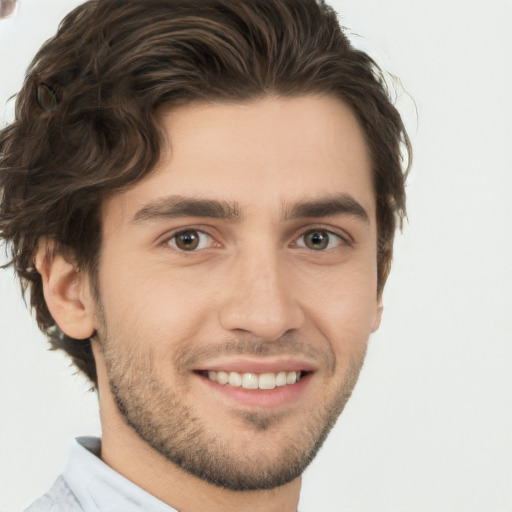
point(67, 292)
point(378, 315)
point(384, 266)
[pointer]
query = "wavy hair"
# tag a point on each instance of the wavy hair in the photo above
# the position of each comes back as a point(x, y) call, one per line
point(85, 122)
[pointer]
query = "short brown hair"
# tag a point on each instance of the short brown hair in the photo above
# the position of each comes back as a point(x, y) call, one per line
point(85, 121)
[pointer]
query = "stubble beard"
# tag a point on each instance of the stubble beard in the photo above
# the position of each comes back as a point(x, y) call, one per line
point(161, 417)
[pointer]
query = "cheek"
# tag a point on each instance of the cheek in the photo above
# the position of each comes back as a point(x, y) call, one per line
point(152, 305)
point(345, 309)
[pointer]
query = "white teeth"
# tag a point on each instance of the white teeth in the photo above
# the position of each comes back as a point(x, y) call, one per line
point(267, 381)
point(222, 377)
point(235, 379)
point(253, 380)
point(291, 378)
point(281, 379)
point(250, 381)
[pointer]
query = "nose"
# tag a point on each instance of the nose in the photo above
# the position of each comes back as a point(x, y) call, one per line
point(259, 299)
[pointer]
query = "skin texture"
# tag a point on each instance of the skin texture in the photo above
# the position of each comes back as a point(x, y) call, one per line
point(255, 295)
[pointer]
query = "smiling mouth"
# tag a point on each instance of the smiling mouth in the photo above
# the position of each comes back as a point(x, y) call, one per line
point(249, 380)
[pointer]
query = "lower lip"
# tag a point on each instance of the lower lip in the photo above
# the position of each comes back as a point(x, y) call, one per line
point(276, 397)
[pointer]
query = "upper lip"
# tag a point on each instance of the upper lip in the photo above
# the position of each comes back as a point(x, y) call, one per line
point(260, 365)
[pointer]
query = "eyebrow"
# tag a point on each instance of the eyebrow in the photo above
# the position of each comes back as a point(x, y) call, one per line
point(343, 204)
point(179, 206)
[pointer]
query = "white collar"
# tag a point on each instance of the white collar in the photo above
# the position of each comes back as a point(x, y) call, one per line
point(98, 488)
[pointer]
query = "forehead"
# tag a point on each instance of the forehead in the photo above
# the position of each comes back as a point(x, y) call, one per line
point(263, 155)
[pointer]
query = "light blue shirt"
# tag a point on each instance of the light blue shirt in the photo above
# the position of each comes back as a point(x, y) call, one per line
point(87, 484)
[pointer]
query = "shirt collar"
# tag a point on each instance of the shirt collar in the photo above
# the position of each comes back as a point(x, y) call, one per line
point(98, 488)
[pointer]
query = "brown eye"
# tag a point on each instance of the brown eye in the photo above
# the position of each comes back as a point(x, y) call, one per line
point(319, 240)
point(187, 240)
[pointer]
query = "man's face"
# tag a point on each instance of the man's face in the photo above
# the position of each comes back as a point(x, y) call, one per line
point(248, 255)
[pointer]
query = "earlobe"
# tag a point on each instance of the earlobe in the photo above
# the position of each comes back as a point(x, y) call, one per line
point(66, 292)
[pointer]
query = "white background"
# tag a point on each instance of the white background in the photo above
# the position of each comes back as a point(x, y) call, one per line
point(429, 427)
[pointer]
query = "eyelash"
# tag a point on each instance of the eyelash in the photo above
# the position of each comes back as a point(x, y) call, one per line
point(206, 238)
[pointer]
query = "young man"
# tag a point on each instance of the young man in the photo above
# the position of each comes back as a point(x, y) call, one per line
point(201, 199)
